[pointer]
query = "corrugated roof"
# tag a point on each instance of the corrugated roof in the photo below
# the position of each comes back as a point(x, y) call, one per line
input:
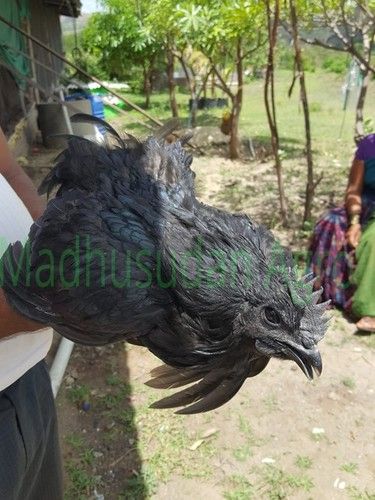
point(71, 8)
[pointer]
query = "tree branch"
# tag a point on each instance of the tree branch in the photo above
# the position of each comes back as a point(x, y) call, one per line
point(347, 41)
point(365, 10)
point(259, 44)
point(225, 88)
point(204, 81)
point(352, 51)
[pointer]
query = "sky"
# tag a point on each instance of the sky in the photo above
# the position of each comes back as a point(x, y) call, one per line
point(89, 6)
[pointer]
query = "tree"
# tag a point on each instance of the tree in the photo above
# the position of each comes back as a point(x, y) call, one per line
point(351, 29)
point(122, 40)
point(161, 19)
point(228, 34)
point(299, 74)
point(197, 69)
point(269, 99)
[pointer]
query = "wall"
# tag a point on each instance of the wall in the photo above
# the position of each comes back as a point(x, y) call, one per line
point(44, 24)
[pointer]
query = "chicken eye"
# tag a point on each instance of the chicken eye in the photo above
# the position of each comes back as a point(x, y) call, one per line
point(272, 316)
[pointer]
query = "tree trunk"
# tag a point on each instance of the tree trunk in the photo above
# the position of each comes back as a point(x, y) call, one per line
point(310, 186)
point(269, 100)
point(205, 89)
point(365, 74)
point(171, 83)
point(359, 125)
point(213, 85)
point(147, 85)
point(234, 141)
point(148, 69)
point(193, 91)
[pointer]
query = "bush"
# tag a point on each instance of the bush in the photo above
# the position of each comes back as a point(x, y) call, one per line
point(285, 59)
point(315, 107)
point(369, 126)
point(335, 64)
point(309, 62)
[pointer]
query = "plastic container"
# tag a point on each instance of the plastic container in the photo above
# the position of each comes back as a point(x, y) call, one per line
point(96, 102)
point(97, 106)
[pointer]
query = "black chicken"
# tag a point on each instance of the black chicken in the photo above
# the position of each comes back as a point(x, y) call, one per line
point(125, 251)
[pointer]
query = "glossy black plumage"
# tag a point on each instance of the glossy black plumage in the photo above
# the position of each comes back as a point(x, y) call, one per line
point(210, 293)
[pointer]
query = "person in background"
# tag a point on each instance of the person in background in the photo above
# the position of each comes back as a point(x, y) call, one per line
point(342, 249)
point(30, 464)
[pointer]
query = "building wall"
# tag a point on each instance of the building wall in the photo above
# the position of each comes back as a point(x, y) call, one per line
point(44, 24)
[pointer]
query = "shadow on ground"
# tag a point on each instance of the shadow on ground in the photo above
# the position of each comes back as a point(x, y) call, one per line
point(97, 427)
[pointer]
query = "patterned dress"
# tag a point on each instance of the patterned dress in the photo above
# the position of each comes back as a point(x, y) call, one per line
point(331, 259)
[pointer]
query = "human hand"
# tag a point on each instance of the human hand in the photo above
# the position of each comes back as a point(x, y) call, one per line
point(11, 322)
point(353, 235)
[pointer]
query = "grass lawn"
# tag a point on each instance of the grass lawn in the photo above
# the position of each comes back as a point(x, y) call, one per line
point(332, 128)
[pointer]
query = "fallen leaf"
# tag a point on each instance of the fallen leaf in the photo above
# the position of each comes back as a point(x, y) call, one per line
point(196, 444)
point(209, 432)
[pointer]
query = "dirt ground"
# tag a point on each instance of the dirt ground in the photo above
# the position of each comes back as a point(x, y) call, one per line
point(281, 437)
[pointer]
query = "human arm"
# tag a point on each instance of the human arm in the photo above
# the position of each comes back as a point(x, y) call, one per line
point(10, 321)
point(19, 181)
point(353, 202)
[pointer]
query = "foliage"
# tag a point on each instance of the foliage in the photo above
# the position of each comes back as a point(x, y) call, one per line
point(346, 26)
point(335, 64)
point(215, 28)
point(119, 38)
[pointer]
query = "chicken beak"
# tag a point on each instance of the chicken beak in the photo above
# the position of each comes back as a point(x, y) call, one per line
point(309, 360)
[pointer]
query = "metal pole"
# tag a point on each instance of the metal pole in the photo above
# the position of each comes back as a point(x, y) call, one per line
point(60, 363)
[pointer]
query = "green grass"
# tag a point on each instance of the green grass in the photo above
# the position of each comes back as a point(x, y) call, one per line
point(303, 462)
point(114, 379)
point(81, 481)
point(270, 402)
point(348, 382)
point(324, 93)
point(356, 494)
point(76, 441)
point(80, 468)
point(246, 430)
point(238, 488)
point(242, 453)
point(140, 486)
point(278, 484)
point(350, 468)
point(78, 393)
